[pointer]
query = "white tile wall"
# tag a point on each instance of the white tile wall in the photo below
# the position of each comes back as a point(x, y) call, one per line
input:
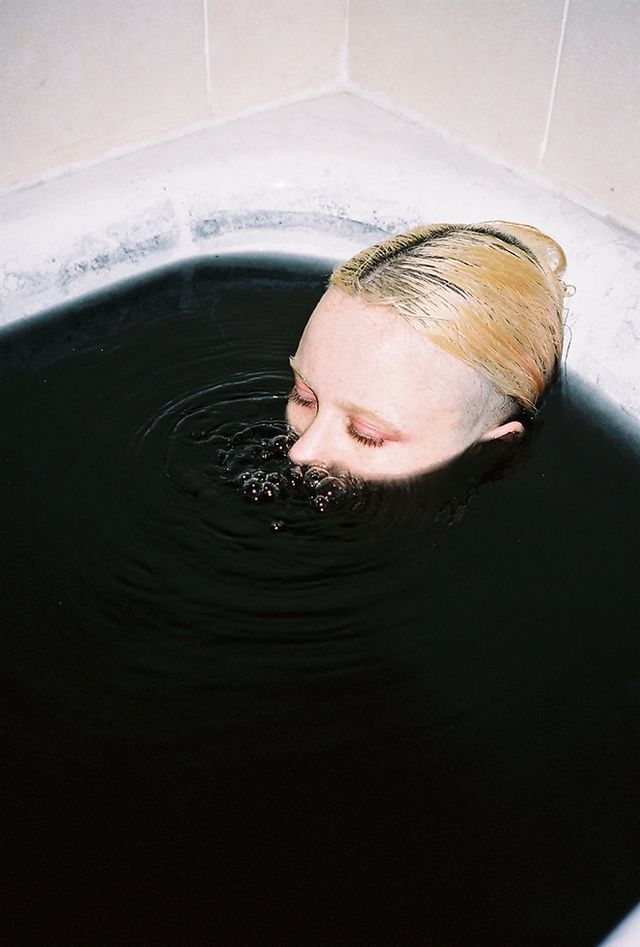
point(485, 70)
point(79, 77)
point(481, 68)
point(265, 51)
point(594, 139)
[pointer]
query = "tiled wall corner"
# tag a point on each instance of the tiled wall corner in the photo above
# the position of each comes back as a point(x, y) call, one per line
point(594, 139)
point(261, 52)
point(80, 77)
point(483, 70)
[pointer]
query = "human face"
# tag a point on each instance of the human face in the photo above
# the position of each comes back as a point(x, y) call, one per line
point(373, 397)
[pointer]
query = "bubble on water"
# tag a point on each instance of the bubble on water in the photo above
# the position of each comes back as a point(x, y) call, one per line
point(293, 474)
point(312, 477)
point(320, 503)
point(254, 490)
point(281, 444)
point(332, 488)
point(255, 459)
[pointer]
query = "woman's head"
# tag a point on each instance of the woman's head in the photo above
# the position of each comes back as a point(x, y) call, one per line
point(425, 344)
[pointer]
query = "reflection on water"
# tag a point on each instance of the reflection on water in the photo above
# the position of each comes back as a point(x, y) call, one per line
point(244, 699)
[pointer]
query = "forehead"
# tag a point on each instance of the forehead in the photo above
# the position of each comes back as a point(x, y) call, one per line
point(340, 319)
point(357, 350)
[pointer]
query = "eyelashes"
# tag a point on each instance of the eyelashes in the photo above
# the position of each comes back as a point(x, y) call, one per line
point(366, 439)
point(296, 398)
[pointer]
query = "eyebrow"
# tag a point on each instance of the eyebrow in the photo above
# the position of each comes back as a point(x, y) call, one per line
point(297, 372)
point(390, 428)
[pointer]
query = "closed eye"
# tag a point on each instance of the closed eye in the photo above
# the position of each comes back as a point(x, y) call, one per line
point(296, 398)
point(367, 439)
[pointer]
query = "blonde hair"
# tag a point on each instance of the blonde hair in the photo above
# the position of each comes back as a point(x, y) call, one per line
point(490, 294)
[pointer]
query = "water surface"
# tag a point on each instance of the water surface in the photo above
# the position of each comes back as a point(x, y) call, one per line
point(412, 719)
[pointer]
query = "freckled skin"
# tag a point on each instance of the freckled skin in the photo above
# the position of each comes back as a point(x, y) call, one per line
point(364, 371)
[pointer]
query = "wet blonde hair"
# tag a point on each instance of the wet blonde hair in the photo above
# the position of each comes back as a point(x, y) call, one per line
point(489, 294)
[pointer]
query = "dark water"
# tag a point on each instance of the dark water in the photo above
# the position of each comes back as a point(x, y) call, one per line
point(410, 719)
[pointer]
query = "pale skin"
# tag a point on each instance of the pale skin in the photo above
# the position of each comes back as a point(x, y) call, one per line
point(375, 398)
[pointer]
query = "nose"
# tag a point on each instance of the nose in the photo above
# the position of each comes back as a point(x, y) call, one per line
point(314, 446)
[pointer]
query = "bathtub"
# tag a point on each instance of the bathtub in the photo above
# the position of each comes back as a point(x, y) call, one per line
point(322, 178)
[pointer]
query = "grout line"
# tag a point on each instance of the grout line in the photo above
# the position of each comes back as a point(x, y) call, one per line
point(207, 53)
point(554, 85)
point(343, 65)
point(533, 175)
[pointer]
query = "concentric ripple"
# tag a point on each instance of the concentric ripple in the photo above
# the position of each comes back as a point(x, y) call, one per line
point(176, 541)
point(236, 689)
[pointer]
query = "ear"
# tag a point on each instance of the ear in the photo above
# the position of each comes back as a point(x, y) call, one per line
point(511, 428)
